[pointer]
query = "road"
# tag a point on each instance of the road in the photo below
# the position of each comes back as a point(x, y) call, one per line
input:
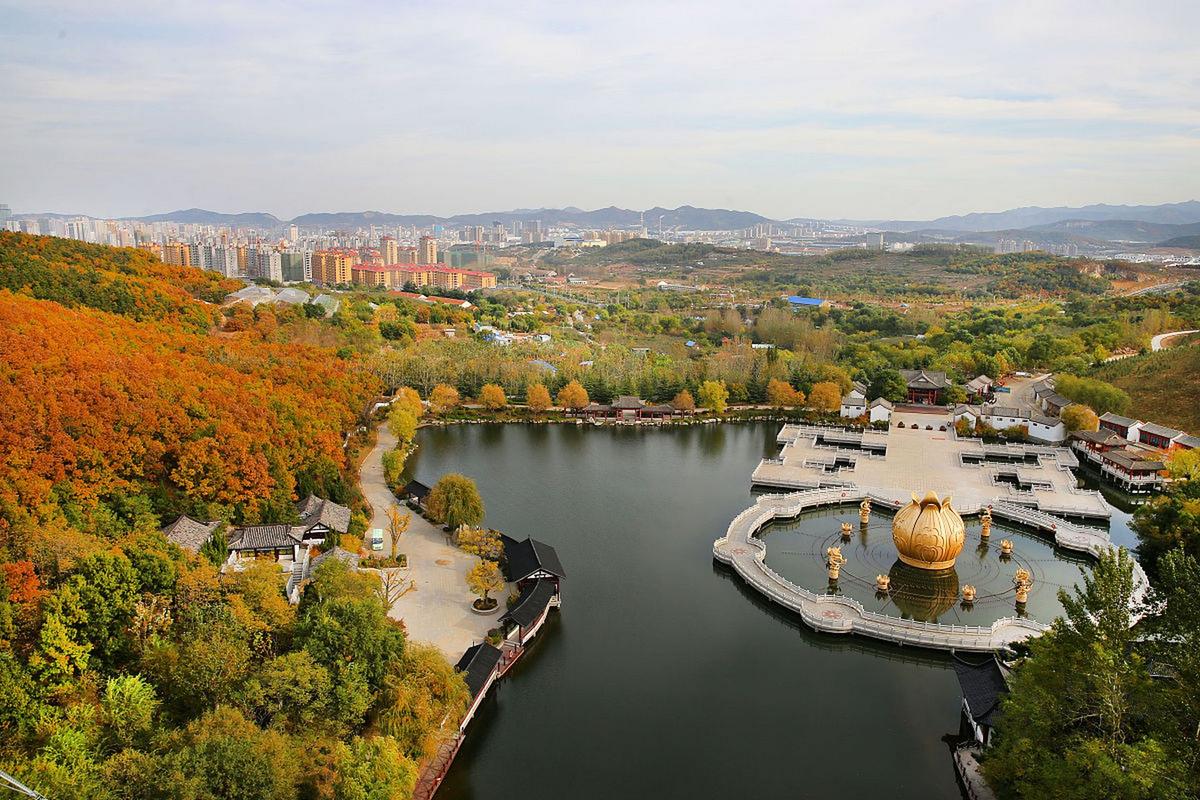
point(1156, 343)
point(1021, 392)
point(1157, 288)
point(438, 609)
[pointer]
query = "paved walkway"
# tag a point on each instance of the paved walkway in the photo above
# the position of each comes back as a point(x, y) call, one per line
point(1156, 343)
point(746, 553)
point(921, 460)
point(438, 609)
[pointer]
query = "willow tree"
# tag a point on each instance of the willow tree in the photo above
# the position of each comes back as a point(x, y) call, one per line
point(454, 501)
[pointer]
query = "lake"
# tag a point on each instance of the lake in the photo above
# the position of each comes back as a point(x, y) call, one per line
point(663, 676)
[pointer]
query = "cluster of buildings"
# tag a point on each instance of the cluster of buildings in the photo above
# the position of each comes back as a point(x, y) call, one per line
point(1067, 249)
point(391, 265)
point(855, 405)
point(289, 546)
point(1131, 453)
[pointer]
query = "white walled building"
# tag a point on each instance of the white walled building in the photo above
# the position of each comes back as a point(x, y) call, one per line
point(881, 410)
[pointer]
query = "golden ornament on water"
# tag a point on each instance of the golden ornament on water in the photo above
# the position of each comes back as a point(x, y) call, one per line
point(928, 533)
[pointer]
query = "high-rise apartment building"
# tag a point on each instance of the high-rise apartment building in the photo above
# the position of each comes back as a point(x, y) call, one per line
point(427, 250)
point(333, 266)
point(264, 262)
point(389, 248)
point(177, 253)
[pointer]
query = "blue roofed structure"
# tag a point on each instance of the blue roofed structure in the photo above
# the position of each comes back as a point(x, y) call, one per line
point(797, 300)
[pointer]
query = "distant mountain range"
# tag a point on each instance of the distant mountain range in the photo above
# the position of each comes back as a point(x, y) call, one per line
point(687, 217)
point(1035, 216)
point(200, 216)
point(1094, 223)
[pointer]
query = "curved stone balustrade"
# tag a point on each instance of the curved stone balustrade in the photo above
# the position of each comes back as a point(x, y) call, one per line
point(746, 554)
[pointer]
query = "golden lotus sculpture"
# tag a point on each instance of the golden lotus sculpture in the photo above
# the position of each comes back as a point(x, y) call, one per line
point(834, 560)
point(928, 533)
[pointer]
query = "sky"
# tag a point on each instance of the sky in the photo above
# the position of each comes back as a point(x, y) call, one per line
point(858, 110)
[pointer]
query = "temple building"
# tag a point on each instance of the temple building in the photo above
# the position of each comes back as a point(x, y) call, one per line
point(629, 408)
point(925, 386)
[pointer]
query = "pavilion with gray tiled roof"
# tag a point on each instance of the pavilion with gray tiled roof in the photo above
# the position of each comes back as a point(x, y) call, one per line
point(318, 517)
point(190, 534)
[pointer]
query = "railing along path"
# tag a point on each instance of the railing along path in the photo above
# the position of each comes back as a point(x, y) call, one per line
point(741, 548)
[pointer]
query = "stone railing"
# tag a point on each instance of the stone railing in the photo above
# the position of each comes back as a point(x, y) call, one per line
point(742, 549)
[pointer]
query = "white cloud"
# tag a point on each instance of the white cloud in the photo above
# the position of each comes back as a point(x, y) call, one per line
point(847, 109)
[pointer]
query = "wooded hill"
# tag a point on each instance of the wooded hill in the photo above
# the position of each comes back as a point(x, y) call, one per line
point(1164, 387)
point(128, 667)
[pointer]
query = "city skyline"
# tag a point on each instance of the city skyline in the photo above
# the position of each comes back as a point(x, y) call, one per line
point(865, 112)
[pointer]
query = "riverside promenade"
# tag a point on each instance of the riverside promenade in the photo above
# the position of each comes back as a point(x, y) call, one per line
point(745, 552)
point(437, 609)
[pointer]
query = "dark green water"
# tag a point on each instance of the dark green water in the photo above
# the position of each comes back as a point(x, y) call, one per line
point(663, 677)
point(796, 550)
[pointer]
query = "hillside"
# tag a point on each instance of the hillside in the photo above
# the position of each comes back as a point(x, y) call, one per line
point(930, 271)
point(219, 426)
point(130, 668)
point(1164, 386)
point(1118, 230)
point(1192, 242)
point(122, 280)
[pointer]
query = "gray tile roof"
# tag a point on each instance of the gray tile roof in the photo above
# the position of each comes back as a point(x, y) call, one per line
point(1133, 462)
point(1117, 419)
point(190, 534)
point(924, 379)
point(315, 510)
point(979, 383)
point(522, 559)
point(982, 685)
point(627, 401)
point(1160, 430)
point(263, 537)
point(1005, 411)
point(477, 666)
point(1102, 436)
point(879, 401)
point(531, 603)
point(1058, 400)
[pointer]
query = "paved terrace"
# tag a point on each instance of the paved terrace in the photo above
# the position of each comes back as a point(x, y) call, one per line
point(741, 548)
point(906, 460)
point(437, 609)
